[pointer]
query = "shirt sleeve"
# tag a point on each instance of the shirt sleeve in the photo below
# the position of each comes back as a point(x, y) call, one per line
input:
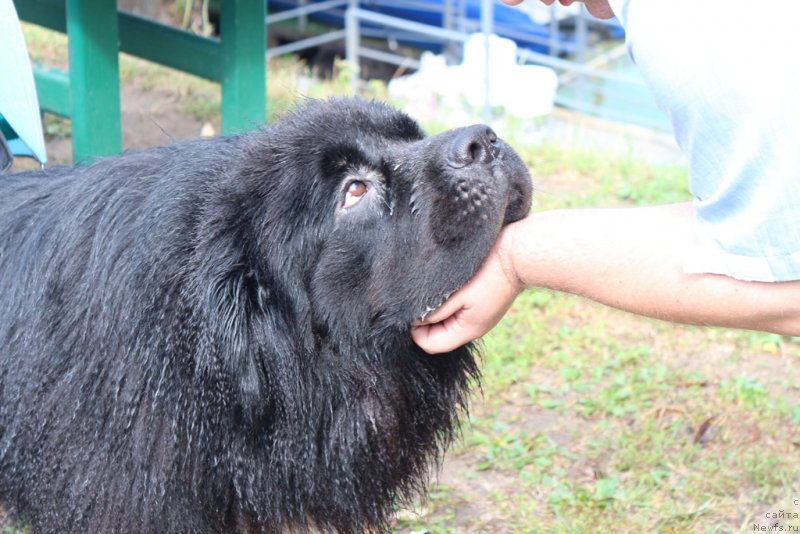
point(722, 71)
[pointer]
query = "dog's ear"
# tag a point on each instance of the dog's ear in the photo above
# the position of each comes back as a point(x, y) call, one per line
point(237, 303)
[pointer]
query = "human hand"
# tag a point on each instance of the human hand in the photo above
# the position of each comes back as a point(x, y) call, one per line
point(598, 8)
point(477, 307)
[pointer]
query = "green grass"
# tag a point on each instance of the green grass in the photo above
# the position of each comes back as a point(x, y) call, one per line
point(589, 419)
point(593, 419)
point(621, 447)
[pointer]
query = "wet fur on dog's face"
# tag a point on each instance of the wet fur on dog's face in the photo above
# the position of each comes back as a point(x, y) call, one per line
point(408, 220)
point(214, 335)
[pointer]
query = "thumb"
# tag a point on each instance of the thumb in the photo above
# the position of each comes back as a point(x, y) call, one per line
point(441, 331)
point(441, 334)
point(451, 306)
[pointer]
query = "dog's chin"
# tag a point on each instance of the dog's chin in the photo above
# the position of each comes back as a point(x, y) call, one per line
point(436, 299)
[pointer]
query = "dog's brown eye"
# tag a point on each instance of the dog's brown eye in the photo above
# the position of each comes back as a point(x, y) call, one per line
point(355, 190)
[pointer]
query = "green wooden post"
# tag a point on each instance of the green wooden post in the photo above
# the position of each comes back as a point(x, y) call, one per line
point(94, 77)
point(243, 36)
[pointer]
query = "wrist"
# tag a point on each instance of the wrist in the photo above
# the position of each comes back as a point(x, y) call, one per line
point(505, 255)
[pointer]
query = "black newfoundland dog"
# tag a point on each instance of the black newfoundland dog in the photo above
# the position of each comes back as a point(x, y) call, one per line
point(213, 336)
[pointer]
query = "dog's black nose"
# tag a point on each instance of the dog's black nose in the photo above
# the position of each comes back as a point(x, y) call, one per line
point(473, 144)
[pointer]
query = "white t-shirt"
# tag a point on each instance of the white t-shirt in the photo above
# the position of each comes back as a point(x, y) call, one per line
point(727, 73)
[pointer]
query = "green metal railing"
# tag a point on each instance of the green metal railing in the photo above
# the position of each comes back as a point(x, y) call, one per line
point(89, 93)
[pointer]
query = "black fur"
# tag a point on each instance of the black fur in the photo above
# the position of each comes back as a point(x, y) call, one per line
point(201, 338)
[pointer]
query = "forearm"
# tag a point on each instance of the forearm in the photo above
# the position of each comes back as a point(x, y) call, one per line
point(632, 259)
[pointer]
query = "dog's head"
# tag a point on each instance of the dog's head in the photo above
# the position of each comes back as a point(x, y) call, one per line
point(392, 222)
point(347, 224)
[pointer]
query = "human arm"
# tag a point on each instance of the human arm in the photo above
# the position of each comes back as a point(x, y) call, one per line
point(628, 258)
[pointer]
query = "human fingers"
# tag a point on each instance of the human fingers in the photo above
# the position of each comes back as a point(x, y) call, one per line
point(443, 336)
point(453, 304)
point(468, 314)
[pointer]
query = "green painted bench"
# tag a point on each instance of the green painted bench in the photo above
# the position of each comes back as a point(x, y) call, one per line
point(89, 93)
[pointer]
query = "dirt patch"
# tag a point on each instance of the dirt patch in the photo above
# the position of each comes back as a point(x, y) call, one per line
point(153, 117)
point(149, 118)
